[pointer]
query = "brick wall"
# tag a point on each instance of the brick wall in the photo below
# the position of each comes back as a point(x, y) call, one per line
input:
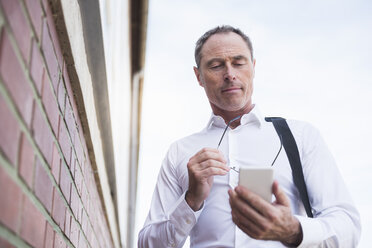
point(48, 193)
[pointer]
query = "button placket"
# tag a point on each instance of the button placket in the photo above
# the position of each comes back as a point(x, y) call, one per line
point(233, 175)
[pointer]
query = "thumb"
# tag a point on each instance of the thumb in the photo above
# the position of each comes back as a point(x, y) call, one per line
point(281, 197)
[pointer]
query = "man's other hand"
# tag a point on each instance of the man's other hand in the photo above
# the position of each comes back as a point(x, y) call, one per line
point(262, 220)
point(205, 164)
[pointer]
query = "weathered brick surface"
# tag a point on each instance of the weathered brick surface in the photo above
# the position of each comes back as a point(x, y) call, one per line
point(10, 203)
point(65, 183)
point(49, 237)
point(5, 244)
point(59, 242)
point(14, 78)
point(51, 106)
point(33, 224)
point(43, 186)
point(56, 164)
point(36, 14)
point(43, 135)
point(9, 132)
point(37, 69)
point(59, 210)
point(26, 161)
point(44, 128)
point(19, 25)
point(50, 57)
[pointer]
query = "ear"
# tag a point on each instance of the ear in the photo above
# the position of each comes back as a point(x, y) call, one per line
point(254, 66)
point(198, 75)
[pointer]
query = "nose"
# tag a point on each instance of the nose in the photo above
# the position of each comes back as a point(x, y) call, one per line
point(229, 74)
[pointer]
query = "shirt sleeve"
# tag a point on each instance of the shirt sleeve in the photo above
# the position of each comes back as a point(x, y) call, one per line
point(336, 221)
point(170, 219)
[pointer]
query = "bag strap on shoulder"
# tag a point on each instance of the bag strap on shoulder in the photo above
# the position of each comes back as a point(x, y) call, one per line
point(290, 147)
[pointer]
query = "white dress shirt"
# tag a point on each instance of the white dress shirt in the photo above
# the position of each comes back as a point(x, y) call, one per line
point(255, 142)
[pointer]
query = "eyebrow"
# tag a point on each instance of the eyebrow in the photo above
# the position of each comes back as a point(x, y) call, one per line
point(240, 57)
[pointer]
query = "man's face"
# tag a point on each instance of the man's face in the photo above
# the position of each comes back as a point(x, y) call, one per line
point(226, 72)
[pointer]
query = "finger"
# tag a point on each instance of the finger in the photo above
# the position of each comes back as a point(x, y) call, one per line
point(247, 214)
point(211, 171)
point(255, 201)
point(247, 226)
point(213, 163)
point(281, 197)
point(207, 153)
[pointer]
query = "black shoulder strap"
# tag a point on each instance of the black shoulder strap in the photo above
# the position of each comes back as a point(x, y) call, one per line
point(290, 147)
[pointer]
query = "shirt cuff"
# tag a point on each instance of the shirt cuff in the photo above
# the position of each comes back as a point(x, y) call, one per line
point(312, 231)
point(182, 217)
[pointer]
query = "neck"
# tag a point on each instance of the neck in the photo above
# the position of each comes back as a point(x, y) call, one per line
point(229, 115)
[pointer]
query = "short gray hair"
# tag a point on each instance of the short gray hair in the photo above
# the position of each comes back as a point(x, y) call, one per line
point(217, 30)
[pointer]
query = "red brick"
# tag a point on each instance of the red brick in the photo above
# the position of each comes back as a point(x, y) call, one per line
point(5, 244)
point(84, 221)
point(61, 96)
point(82, 243)
point(10, 204)
point(37, 68)
point(19, 25)
point(33, 224)
point(64, 141)
point(9, 132)
point(26, 162)
point(51, 106)
point(84, 194)
point(58, 241)
point(59, 210)
point(74, 234)
point(36, 14)
point(75, 202)
point(56, 164)
point(43, 186)
point(42, 135)
point(14, 78)
point(70, 121)
point(79, 150)
point(78, 179)
point(73, 165)
point(49, 237)
point(65, 182)
point(54, 35)
point(66, 79)
point(68, 224)
point(51, 60)
point(91, 237)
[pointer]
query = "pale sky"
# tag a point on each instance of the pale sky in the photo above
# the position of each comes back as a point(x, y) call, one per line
point(313, 64)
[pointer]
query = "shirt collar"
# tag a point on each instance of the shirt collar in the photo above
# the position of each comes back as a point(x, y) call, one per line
point(253, 117)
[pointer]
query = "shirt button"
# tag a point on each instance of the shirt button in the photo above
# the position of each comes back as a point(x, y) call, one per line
point(188, 221)
point(172, 244)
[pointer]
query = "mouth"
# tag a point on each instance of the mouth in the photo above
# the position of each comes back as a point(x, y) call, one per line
point(231, 89)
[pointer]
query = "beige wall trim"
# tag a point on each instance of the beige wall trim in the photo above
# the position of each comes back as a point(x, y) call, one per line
point(79, 69)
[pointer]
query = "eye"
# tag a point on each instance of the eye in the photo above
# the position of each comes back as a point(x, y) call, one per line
point(216, 66)
point(239, 63)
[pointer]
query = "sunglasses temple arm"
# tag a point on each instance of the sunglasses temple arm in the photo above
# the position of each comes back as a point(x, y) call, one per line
point(228, 124)
point(281, 146)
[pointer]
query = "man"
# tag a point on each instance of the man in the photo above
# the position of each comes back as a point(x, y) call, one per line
point(197, 194)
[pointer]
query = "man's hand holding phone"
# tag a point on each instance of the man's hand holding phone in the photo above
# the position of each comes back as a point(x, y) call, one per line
point(261, 219)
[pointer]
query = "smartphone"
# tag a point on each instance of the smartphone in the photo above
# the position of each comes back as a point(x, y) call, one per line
point(257, 179)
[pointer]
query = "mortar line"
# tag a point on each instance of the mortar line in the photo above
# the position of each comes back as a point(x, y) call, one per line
point(38, 153)
point(39, 102)
point(29, 136)
point(10, 170)
point(28, 18)
point(12, 238)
